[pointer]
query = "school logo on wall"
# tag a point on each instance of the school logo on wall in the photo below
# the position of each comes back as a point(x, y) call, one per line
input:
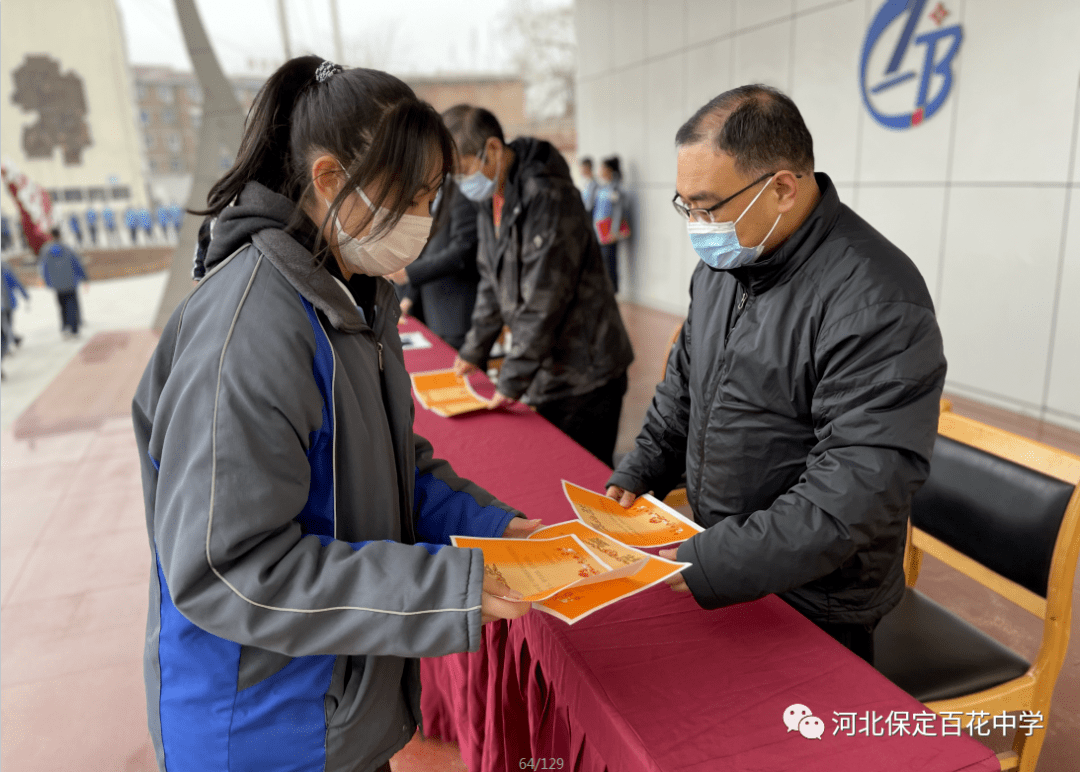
point(906, 68)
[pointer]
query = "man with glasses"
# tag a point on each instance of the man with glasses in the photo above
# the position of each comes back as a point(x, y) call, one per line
point(541, 274)
point(801, 397)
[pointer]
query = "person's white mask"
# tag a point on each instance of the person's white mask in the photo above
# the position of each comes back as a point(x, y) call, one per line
point(388, 253)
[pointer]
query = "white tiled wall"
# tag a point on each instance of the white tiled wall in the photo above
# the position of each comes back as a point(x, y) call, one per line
point(984, 196)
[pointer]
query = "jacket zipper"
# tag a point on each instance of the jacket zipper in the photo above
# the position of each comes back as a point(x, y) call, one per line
point(712, 399)
point(379, 346)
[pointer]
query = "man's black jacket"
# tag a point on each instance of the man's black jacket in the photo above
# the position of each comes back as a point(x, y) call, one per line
point(542, 275)
point(443, 278)
point(802, 400)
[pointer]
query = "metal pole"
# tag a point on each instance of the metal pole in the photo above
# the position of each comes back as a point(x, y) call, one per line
point(219, 139)
point(335, 21)
point(284, 28)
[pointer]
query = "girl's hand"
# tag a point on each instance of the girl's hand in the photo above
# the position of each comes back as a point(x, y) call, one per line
point(500, 602)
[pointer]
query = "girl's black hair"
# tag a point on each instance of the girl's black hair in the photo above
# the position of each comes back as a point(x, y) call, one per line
point(612, 163)
point(369, 120)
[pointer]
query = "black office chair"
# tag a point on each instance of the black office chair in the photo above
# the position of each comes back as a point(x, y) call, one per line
point(1005, 511)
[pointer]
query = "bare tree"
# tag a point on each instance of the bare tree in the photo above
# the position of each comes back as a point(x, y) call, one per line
point(545, 53)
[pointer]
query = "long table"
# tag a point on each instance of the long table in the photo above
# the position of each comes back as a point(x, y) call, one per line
point(653, 683)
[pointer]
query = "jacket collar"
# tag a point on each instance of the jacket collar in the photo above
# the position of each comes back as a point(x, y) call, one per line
point(800, 245)
point(261, 216)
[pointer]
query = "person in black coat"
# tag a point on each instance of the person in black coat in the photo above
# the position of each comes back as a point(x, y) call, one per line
point(443, 279)
point(801, 398)
point(541, 275)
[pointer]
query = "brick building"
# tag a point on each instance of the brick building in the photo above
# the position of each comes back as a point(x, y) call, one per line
point(169, 105)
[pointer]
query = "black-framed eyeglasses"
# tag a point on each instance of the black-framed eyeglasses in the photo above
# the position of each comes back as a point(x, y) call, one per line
point(706, 215)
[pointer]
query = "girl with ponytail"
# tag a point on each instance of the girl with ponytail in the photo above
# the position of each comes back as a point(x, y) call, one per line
point(298, 527)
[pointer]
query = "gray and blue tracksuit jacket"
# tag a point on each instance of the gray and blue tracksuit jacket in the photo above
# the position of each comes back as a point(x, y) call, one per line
point(295, 519)
point(61, 268)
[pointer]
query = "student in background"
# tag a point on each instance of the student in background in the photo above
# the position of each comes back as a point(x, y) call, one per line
point(63, 271)
point(11, 286)
point(609, 216)
point(588, 193)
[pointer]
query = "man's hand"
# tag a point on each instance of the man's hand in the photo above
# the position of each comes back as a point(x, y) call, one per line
point(399, 277)
point(498, 401)
point(463, 368)
point(406, 306)
point(500, 602)
point(519, 527)
point(625, 498)
point(676, 581)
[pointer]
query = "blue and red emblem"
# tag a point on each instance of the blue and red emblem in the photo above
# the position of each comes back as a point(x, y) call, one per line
point(901, 85)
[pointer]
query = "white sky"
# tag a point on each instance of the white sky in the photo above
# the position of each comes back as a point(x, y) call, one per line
point(415, 36)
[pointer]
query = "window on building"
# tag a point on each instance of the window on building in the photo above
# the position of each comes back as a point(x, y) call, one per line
point(194, 94)
point(96, 194)
point(176, 165)
point(168, 115)
point(54, 195)
point(121, 191)
point(145, 117)
point(73, 194)
point(142, 92)
point(174, 142)
point(165, 94)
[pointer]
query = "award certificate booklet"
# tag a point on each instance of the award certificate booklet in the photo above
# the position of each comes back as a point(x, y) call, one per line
point(646, 523)
point(446, 394)
point(561, 576)
point(576, 603)
point(540, 568)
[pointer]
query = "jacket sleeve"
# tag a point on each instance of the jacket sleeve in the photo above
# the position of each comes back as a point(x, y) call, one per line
point(487, 321)
point(77, 267)
point(875, 411)
point(554, 241)
point(458, 252)
point(229, 433)
point(658, 459)
point(447, 505)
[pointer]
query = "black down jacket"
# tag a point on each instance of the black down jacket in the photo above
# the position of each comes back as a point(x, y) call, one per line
point(444, 278)
point(802, 400)
point(542, 275)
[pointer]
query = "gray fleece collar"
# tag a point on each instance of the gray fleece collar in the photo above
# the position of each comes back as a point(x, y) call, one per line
point(260, 216)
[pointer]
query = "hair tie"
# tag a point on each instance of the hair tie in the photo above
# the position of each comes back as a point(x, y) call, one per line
point(326, 69)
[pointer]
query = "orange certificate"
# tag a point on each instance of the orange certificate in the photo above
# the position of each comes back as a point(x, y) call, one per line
point(646, 523)
point(609, 550)
point(575, 603)
point(563, 568)
point(446, 394)
point(540, 568)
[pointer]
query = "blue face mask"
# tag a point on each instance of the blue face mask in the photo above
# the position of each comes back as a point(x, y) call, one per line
point(476, 187)
point(718, 245)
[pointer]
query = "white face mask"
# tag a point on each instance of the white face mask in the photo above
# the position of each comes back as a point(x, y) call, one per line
point(390, 252)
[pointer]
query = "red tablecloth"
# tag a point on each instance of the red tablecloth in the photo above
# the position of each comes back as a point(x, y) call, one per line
point(653, 682)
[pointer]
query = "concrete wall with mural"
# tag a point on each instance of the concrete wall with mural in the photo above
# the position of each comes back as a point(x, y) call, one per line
point(979, 186)
point(68, 118)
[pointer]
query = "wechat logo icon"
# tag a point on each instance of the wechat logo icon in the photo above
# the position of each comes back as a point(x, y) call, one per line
point(799, 718)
